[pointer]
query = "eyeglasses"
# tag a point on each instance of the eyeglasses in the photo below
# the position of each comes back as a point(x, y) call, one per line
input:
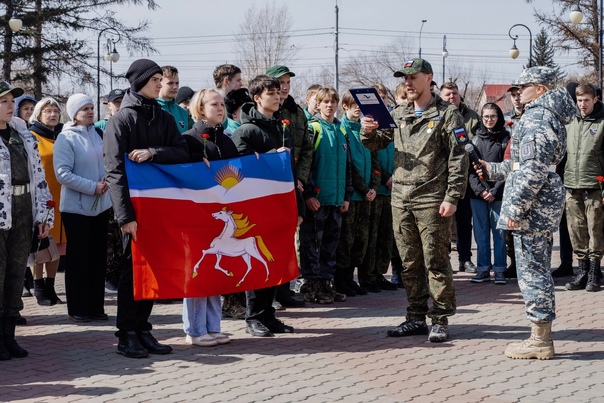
point(490, 117)
point(50, 111)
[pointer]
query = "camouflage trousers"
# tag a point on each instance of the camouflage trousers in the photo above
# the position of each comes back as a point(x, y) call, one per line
point(585, 218)
point(353, 239)
point(533, 252)
point(379, 244)
point(422, 237)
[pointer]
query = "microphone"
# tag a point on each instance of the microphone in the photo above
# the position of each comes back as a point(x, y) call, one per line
point(476, 161)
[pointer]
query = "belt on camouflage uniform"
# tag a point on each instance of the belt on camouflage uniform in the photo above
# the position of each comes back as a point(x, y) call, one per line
point(516, 166)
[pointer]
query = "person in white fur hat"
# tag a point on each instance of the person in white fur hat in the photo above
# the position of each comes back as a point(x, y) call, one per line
point(78, 164)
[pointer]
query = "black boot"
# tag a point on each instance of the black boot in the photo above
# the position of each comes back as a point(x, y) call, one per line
point(594, 276)
point(284, 297)
point(49, 288)
point(4, 354)
point(564, 270)
point(129, 346)
point(28, 284)
point(40, 292)
point(8, 328)
point(150, 344)
point(580, 281)
point(510, 272)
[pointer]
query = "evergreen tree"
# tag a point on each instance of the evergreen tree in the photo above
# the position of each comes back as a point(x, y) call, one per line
point(54, 40)
point(543, 53)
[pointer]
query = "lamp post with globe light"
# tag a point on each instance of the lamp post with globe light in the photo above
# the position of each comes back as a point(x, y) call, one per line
point(576, 16)
point(514, 52)
point(111, 57)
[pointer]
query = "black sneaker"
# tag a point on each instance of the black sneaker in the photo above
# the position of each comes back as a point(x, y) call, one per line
point(387, 285)
point(276, 326)
point(499, 278)
point(372, 287)
point(360, 290)
point(564, 270)
point(409, 328)
point(481, 277)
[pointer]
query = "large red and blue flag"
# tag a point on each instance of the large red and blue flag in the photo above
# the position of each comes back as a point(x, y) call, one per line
point(213, 230)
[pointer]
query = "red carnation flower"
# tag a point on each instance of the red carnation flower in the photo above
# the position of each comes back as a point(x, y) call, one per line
point(51, 204)
point(285, 122)
point(205, 136)
point(509, 123)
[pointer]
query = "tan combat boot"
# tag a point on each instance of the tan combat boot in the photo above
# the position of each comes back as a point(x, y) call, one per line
point(539, 345)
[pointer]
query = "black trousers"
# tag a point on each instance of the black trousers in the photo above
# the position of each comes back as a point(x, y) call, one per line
point(463, 219)
point(260, 305)
point(566, 247)
point(86, 263)
point(131, 315)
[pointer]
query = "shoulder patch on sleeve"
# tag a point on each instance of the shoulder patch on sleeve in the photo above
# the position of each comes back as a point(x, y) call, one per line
point(460, 135)
point(527, 151)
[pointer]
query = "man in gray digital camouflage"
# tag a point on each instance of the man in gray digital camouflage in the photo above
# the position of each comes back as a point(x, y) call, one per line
point(533, 200)
point(430, 176)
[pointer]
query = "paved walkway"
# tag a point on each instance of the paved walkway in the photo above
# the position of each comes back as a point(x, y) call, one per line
point(338, 353)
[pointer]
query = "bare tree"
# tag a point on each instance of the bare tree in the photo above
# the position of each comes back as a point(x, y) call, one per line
point(377, 66)
point(264, 39)
point(581, 38)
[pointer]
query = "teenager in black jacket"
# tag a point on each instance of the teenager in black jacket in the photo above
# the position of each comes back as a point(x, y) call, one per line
point(143, 131)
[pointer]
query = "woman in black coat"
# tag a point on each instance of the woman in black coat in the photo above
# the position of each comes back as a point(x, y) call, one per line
point(489, 142)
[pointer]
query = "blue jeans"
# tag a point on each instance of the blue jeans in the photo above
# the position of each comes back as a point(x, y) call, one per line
point(201, 315)
point(485, 216)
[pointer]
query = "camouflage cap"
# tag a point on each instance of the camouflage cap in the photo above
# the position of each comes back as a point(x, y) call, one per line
point(5, 88)
point(414, 66)
point(278, 71)
point(536, 75)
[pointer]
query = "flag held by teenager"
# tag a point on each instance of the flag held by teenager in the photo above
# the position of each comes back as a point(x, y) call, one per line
point(213, 230)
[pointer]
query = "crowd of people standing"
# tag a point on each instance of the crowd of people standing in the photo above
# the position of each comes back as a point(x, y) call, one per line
point(445, 171)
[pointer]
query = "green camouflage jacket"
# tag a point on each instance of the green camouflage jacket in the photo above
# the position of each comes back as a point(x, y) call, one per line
point(430, 164)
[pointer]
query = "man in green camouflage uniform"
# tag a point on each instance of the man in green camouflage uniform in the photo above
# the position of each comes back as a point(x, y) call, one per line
point(533, 200)
point(585, 164)
point(430, 176)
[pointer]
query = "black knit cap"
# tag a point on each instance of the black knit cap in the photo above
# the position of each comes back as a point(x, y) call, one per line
point(140, 71)
point(184, 94)
point(234, 99)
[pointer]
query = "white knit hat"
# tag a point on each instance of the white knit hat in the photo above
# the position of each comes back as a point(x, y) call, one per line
point(77, 102)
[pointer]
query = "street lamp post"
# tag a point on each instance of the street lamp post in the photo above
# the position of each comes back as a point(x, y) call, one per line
point(514, 52)
point(98, 66)
point(445, 55)
point(112, 57)
point(420, 38)
point(15, 24)
point(576, 16)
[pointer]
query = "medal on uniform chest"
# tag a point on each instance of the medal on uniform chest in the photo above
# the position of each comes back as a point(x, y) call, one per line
point(430, 126)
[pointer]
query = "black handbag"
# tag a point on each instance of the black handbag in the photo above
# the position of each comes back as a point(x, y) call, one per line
point(44, 242)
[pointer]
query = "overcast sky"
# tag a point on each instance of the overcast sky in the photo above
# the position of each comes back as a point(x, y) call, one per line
point(196, 35)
